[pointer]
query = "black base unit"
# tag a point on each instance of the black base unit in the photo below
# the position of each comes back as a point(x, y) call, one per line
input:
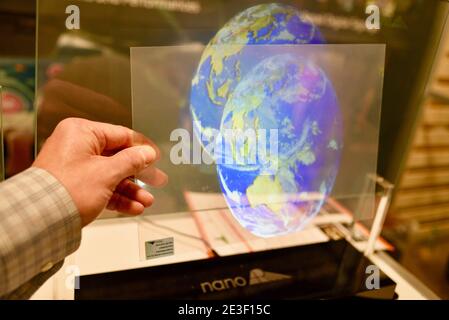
point(330, 270)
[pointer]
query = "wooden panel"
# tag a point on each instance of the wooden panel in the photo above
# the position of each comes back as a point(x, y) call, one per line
point(423, 191)
point(432, 137)
point(436, 114)
point(420, 197)
point(432, 212)
point(442, 70)
point(424, 158)
point(425, 178)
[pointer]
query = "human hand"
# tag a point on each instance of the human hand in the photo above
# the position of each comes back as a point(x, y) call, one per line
point(94, 160)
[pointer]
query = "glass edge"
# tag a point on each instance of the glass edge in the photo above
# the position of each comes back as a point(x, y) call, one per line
point(36, 70)
point(2, 149)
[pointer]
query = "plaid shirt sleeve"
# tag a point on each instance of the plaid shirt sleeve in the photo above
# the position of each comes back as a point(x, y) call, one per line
point(39, 226)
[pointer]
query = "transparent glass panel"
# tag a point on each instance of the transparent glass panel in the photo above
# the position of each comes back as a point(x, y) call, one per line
point(294, 130)
point(78, 74)
point(354, 72)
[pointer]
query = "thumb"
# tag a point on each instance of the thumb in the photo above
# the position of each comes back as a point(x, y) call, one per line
point(131, 161)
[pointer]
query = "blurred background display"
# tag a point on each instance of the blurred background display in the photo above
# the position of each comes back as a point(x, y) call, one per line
point(86, 73)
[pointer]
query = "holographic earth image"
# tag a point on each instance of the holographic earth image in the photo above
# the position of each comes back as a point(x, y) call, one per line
point(220, 68)
point(295, 96)
point(238, 89)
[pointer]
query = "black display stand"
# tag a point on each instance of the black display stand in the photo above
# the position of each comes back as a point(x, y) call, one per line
point(330, 270)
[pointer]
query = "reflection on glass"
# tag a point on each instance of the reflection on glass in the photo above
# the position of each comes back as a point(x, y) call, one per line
point(17, 79)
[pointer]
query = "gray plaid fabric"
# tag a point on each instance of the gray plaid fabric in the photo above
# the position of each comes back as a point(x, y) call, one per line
point(39, 226)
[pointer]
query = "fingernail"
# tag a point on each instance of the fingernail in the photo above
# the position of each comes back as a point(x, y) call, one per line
point(149, 154)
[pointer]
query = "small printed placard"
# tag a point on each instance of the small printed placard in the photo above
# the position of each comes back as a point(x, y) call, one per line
point(159, 248)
